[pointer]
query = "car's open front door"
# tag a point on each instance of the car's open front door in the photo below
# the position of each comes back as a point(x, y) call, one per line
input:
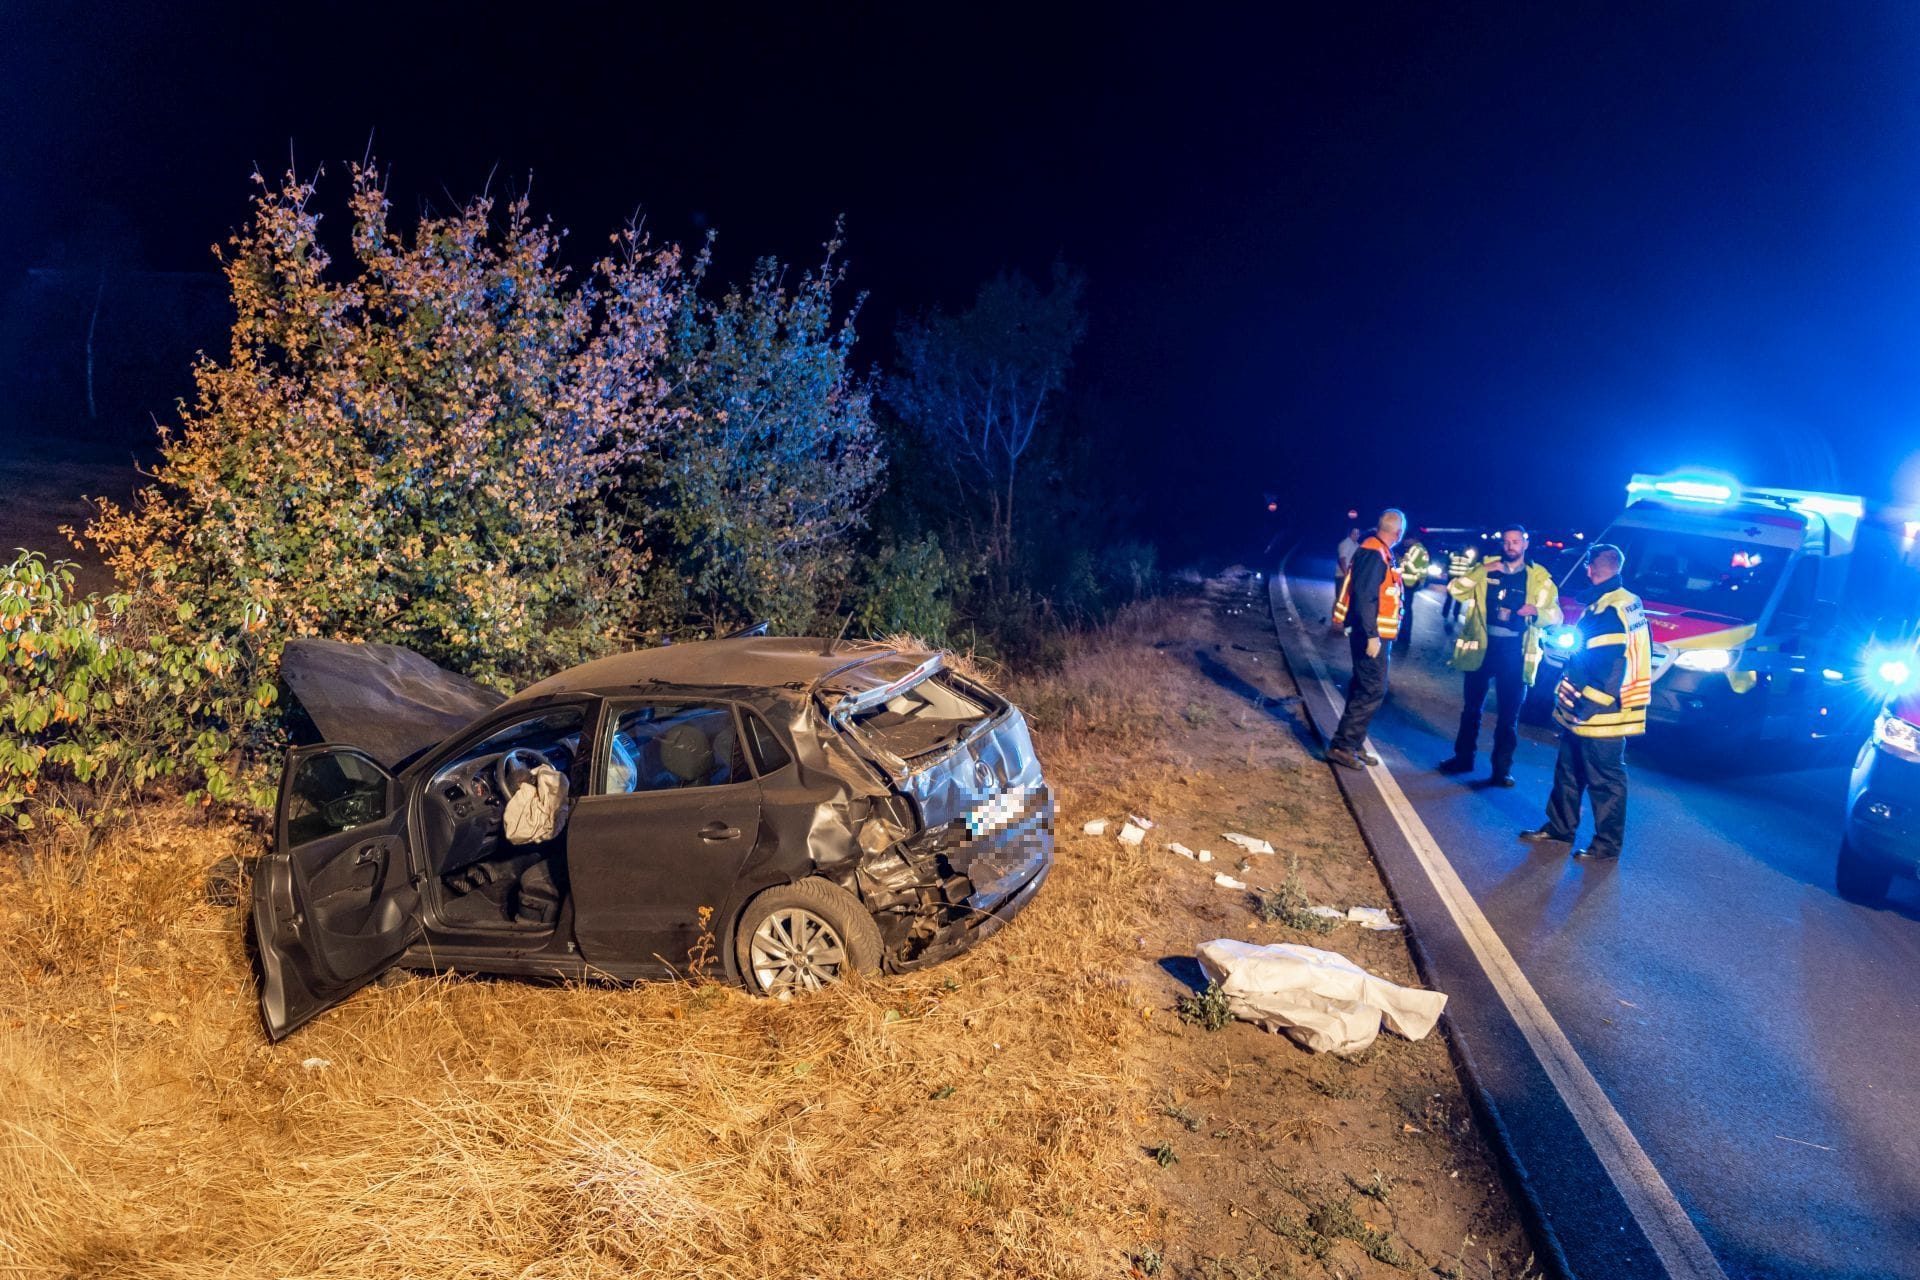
point(336, 902)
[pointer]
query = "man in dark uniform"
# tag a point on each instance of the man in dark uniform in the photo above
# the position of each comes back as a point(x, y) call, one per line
point(1369, 606)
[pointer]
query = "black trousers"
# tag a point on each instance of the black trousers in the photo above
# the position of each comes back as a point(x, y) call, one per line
point(1597, 767)
point(1404, 641)
point(1450, 610)
point(1501, 671)
point(1365, 692)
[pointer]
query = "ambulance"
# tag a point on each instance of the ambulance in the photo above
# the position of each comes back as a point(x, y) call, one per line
point(1772, 611)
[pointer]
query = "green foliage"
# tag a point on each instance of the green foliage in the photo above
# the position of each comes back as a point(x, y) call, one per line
point(908, 589)
point(417, 449)
point(1208, 1010)
point(754, 495)
point(1288, 905)
point(97, 703)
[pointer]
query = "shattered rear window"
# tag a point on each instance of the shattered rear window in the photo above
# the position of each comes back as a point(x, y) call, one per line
point(922, 718)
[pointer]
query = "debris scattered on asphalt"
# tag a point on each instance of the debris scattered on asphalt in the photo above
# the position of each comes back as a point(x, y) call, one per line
point(1319, 999)
point(1226, 881)
point(1249, 843)
point(1098, 827)
point(1373, 918)
point(1803, 1142)
point(1130, 834)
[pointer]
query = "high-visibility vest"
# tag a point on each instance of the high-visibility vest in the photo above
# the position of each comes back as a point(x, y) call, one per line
point(1470, 648)
point(1460, 563)
point(1625, 715)
point(1414, 562)
point(1390, 589)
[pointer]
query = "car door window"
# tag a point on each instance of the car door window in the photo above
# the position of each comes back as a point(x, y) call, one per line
point(332, 793)
point(768, 754)
point(661, 746)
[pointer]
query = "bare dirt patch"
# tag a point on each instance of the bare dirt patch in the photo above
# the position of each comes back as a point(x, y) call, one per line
point(1035, 1108)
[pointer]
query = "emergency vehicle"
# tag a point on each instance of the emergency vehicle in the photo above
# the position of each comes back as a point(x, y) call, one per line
point(1770, 609)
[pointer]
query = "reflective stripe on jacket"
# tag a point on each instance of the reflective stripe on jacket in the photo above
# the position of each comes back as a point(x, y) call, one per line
point(1609, 680)
point(1414, 562)
point(1385, 619)
point(1459, 562)
point(1470, 647)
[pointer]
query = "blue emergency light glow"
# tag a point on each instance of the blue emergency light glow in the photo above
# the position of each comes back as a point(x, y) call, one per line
point(1891, 671)
point(1562, 638)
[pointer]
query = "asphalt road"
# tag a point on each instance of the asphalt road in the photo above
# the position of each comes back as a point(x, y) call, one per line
point(1756, 1033)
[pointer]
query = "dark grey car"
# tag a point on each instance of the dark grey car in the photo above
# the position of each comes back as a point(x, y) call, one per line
point(809, 807)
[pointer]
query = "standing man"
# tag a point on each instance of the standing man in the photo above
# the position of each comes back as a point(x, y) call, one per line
point(1414, 562)
point(1505, 603)
point(1601, 702)
point(1459, 562)
point(1369, 607)
point(1343, 554)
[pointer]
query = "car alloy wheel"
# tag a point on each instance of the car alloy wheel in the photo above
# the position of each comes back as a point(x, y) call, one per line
point(795, 950)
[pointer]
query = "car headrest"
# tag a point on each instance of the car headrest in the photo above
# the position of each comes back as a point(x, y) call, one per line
point(686, 753)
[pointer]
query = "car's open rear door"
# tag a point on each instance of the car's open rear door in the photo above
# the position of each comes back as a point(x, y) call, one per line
point(335, 902)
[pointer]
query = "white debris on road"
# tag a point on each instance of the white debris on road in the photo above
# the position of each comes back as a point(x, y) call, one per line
point(1319, 999)
point(1373, 918)
point(317, 1064)
point(1098, 827)
point(1130, 834)
point(1176, 847)
point(1226, 881)
point(1249, 843)
point(1329, 913)
point(1145, 824)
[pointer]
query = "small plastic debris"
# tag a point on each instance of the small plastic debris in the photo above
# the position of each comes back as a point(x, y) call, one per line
point(1372, 918)
point(316, 1064)
point(1328, 913)
point(1205, 855)
point(1130, 834)
point(1249, 843)
point(1226, 881)
point(1145, 824)
point(1182, 850)
point(1098, 827)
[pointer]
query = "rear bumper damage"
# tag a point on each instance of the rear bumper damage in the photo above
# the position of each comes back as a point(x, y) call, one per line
point(944, 890)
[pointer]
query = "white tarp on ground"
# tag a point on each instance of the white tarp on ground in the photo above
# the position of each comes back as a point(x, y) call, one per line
point(1320, 999)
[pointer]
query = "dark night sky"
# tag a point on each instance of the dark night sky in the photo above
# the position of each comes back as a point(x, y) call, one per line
point(1472, 259)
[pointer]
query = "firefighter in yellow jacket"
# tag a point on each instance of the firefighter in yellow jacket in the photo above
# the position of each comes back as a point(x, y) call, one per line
point(1600, 703)
point(1368, 606)
point(1508, 602)
point(1414, 563)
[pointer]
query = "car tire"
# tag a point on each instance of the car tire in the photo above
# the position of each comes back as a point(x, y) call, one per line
point(803, 936)
point(1861, 879)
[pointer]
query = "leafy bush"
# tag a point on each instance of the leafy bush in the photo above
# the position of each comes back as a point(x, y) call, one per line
point(96, 703)
point(908, 588)
point(418, 449)
point(773, 458)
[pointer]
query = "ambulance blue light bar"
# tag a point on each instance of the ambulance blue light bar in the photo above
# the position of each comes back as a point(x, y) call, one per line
point(1719, 490)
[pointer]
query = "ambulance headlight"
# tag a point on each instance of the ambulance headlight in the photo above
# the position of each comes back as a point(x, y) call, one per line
point(1891, 671)
point(1705, 659)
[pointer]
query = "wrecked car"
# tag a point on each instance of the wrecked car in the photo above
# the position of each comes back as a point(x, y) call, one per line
point(778, 812)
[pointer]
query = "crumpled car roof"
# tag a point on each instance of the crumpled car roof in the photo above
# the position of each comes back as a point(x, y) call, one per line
point(750, 662)
point(384, 699)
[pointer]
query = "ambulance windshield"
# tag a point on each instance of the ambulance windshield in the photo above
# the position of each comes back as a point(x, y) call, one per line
point(1699, 572)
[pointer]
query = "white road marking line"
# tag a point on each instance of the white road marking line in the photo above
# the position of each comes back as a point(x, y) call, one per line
point(1673, 1236)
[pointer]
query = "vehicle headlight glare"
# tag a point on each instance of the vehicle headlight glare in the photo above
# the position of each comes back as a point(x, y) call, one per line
point(1894, 673)
point(1704, 659)
point(1563, 639)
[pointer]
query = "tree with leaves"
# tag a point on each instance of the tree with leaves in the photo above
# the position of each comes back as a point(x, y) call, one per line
point(417, 449)
point(773, 458)
point(978, 388)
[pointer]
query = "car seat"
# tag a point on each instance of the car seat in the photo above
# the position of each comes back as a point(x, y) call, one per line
point(686, 754)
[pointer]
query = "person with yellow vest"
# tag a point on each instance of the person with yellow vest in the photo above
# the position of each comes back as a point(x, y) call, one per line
point(1460, 562)
point(1368, 605)
point(1600, 703)
point(1414, 562)
point(1506, 602)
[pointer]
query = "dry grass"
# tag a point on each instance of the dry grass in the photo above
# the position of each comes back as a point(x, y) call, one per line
point(975, 1119)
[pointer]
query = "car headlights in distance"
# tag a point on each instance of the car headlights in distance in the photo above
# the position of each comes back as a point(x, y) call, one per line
point(1705, 659)
point(1897, 736)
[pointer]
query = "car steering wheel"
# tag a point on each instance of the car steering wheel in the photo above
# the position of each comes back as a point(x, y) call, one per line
point(515, 767)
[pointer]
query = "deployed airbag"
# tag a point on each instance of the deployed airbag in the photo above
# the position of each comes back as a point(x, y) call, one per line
point(1319, 999)
point(538, 807)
